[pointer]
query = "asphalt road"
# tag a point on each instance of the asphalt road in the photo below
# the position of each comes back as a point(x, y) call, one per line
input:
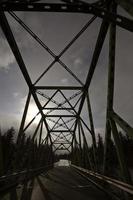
point(62, 183)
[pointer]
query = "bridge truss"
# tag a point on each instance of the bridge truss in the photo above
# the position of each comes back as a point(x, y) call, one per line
point(62, 126)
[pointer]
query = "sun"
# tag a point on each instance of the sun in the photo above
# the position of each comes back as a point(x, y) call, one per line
point(32, 112)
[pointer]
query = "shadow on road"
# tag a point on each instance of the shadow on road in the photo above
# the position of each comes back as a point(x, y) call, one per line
point(46, 192)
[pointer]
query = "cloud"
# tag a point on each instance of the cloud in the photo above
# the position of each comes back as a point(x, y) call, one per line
point(6, 56)
point(78, 58)
point(15, 94)
point(64, 80)
point(78, 62)
point(13, 120)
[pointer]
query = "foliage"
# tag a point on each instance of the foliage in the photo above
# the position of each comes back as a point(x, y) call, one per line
point(127, 145)
point(112, 159)
point(26, 153)
point(8, 148)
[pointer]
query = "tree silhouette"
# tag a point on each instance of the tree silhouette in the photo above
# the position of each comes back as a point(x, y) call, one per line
point(8, 149)
point(29, 153)
point(127, 144)
point(100, 150)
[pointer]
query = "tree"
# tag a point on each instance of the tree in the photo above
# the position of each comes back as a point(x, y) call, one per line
point(100, 150)
point(8, 149)
point(127, 144)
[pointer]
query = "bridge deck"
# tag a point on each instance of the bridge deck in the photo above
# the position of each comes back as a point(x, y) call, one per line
point(62, 183)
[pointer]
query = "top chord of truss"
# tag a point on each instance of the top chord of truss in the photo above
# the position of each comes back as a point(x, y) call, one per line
point(98, 8)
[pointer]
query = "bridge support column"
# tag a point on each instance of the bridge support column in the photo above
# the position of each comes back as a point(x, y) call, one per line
point(92, 132)
point(110, 124)
point(24, 117)
point(124, 170)
point(91, 165)
point(110, 91)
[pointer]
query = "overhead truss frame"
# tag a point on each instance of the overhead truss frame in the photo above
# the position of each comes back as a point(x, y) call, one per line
point(62, 136)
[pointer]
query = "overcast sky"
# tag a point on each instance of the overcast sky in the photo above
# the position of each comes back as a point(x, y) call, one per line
point(56, 30)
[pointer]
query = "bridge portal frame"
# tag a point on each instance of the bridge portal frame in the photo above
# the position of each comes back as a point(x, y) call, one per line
point(108, 12)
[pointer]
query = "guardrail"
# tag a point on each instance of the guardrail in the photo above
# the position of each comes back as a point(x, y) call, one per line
point(7, 182)
point(113, 182)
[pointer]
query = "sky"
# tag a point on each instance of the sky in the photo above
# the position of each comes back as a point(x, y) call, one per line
point(56, 30)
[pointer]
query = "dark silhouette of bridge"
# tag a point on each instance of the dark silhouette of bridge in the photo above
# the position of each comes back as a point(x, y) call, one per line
point(34, 174)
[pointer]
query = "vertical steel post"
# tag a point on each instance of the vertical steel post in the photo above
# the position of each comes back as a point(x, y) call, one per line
point(21, 130)
point(36, 130)
point(72, 149)
point(96, 54)
point(124, 170)
point(110, 91)
point(24, 117)
point(73, 144)
point(75, 151)
point(40, 136)
point(80, 146)
point(92, 131)
point(86, 146)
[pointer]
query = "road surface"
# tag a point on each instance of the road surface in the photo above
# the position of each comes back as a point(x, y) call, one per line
point(63, 183)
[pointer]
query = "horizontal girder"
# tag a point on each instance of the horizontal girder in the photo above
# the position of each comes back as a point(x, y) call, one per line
point(70, 8)
point(58, 88)
point(61, 131)
point(61, 116)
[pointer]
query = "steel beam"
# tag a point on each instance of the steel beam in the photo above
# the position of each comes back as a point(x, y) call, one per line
point(21, 129)
point(120, 153)
point(57, 108)
point(80, 146)
point(110, 90)
point(86, 146)
point(58, 131)
point(96, 54)
point(13, 45)
point(36, 130)
point(57, 58)
point(59, 105)
point(59, 124)
point(86, 9)
point(122, 123)
point(40, 136)
point(61, 143)
point(50, 130)
point(126, 4)
point(67, 128)
point(72, 116)
point(92, 131)
point(58, 88)
point(67, 101)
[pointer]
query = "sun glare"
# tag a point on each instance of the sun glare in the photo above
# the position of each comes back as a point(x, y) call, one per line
point(32, 112)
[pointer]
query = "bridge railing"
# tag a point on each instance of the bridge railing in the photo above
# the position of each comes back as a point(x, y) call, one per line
point(11, 181)
point(78, 145)
point(105, 181)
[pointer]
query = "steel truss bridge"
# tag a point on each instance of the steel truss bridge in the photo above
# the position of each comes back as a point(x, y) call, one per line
point(63, 122)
